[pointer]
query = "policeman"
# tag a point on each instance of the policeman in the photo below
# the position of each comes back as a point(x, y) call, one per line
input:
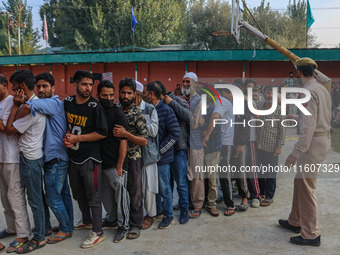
point(311, 149)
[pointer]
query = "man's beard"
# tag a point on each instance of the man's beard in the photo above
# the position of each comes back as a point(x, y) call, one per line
point(188, 91)
point(45, 94)
point(84, 94)
point(126, 102)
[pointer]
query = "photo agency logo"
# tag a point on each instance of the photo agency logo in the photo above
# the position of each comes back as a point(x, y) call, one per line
point(239, 98)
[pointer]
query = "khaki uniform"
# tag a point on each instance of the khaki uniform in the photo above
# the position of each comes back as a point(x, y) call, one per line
point(312, 148)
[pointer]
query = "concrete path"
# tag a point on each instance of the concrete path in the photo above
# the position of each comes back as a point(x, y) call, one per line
point(255, 231)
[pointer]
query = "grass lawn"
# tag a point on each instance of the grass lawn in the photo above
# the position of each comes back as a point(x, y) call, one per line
point(336, 140)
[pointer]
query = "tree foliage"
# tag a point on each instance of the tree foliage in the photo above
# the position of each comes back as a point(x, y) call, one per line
point(105, 24)
point(206, 16)
point(29, 36)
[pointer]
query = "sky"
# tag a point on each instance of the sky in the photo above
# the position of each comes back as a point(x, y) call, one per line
point(326, 14)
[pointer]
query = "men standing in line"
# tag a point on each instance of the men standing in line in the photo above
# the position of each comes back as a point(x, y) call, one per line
point(31, 153)
point(212, 154)
point(269, 139)
point(189, 90)
point(12, 189)
point(136, 134)
point(86, 126)
point(150, 155)
point(311, 148)
point(57, 190)
point(116, 199)
point(224, 111)
point(168, 133)
point(179, 167)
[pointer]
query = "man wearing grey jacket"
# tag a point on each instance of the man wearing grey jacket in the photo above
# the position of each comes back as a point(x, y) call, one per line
point(178, 167)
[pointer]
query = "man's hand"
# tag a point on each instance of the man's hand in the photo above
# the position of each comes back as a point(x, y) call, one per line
point(277, 152)
point(70, 140)
point(290, 161)
point(119, 170)
point(119, 131)
point(19, 97)
point(238, 150)
point(167, 99)
point(201, 122)
point(205, 140)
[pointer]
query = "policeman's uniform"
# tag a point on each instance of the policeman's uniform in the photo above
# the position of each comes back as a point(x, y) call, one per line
point(312, 147)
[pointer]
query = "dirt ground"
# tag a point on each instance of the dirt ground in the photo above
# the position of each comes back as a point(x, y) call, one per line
point(255, 231)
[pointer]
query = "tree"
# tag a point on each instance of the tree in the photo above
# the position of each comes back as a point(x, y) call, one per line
point(206, 16)
point(105, 24)
point(29, 36)
point(203, 18)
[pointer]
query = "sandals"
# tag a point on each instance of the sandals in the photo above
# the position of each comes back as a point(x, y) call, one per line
point(34, 244)
point(61, 238)
point(195, 213)
point(134, 233)
point(147, 222)
point(16, 244)
point(2, 247)
point(232, 210)
point(266, 202)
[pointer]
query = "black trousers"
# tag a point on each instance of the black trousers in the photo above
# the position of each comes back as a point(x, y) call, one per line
point(85, 182)
point(134, 187)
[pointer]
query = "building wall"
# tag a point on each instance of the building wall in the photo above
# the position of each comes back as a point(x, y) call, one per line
point(171, 73)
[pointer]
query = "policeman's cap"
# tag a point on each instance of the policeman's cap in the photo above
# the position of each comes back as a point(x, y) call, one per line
point(306, 62)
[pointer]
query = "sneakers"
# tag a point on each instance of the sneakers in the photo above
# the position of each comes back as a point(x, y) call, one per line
point(255, 203)
point(93, 240)
point(120, 235)
point(285, 224)
point(81, 225)
point(109, 225)
point(184, 216)
point(299, 240)
point(166, 222)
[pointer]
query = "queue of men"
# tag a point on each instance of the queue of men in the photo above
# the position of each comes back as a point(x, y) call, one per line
point(126, 157)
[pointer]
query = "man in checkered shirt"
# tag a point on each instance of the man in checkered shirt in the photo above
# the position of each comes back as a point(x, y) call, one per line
point(269, 139)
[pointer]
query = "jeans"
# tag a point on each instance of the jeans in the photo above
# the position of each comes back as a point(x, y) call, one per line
point(31, 173)
point(165, 192)
point(57, 194)
point(268, 180)
point(180, 173)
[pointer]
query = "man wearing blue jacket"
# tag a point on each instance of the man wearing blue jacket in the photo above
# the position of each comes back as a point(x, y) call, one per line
point(168, 133)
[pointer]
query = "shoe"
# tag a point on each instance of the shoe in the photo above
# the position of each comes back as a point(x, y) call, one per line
point(120, 235)
point(134, 233)
point(266, 202)
point(147, 222)
point(301, 241)
point(255, 203)
point(242, 207)
point(166, 222)
point(285, 224)
point(93, 240)
point(109, 225)
point(184, 216)
point(176, 207)
point(81, 225)
point(4, 234)
point(213, 211)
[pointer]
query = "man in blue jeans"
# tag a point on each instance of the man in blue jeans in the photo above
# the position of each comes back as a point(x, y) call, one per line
point(30, 144)
point(57, 190)
point(168, 133)
point(179, 168)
